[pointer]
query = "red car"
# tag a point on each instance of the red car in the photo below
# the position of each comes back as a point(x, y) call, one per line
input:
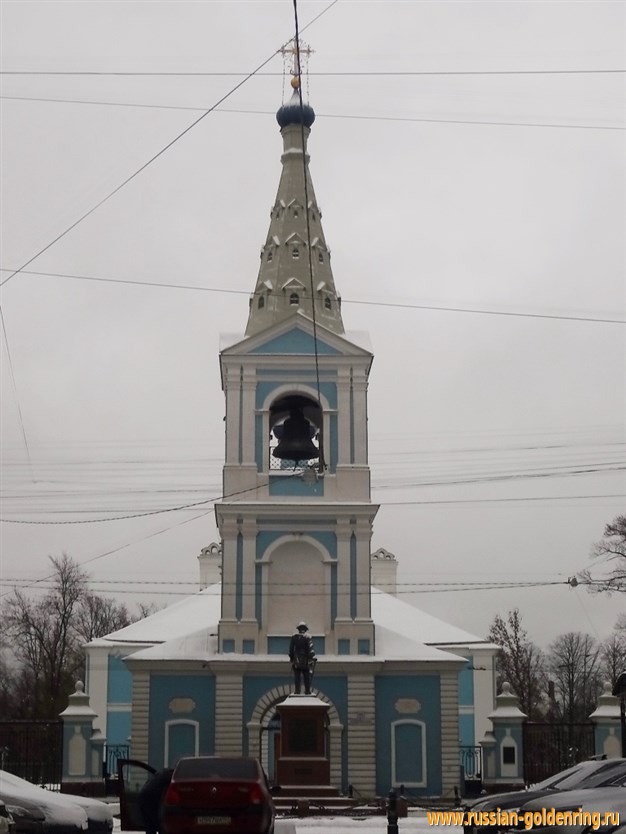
point(218, 794)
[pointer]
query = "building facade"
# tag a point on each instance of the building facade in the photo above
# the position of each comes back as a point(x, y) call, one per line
point(404, 690)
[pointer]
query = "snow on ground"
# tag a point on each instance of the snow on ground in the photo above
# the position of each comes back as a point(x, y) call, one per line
point(415, 823)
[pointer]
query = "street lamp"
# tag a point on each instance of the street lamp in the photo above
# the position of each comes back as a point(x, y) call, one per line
point(619, 689)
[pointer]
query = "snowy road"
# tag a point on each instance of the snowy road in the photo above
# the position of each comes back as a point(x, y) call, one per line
point(414, 824)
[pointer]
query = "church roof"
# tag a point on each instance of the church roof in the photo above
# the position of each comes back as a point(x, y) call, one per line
point(295, 272)
point(188, 629)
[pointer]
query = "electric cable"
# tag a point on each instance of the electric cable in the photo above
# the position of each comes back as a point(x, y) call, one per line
point(367, 73)
point(158, 154)
point(321, 463)
point(391, 304)
point(121, 547)
point(415, 119)
point(15, 394)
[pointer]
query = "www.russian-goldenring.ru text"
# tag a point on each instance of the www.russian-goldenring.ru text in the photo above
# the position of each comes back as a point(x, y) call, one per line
point(546, 817)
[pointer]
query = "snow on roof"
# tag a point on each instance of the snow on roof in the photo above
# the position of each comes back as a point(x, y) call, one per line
point(188, 630)
point(199, 645)
point(416, 624)
point(202, 645)
point(190, 616)
point(177, 620)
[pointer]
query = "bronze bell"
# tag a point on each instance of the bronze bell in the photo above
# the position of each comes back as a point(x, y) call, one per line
point(294, 438)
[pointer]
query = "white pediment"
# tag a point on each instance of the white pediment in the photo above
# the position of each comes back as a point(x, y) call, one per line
point(295, 335)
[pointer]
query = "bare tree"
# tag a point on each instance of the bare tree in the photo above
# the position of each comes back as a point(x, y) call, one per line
point(97, 616)
point(47, 633)
point(520, 662)
point(613, 656)
point(43, 639)
point(610, 548)
point(575, 668)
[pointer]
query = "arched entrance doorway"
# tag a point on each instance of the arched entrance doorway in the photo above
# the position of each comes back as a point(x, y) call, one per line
point(264, 731)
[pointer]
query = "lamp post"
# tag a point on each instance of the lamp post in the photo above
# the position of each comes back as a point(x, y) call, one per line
point(619, 689)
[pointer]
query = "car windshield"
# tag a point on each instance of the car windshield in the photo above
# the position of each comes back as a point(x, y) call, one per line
point(587, 774)
point(216, 768)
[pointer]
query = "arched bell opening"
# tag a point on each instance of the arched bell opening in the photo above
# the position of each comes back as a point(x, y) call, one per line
point(295, 423)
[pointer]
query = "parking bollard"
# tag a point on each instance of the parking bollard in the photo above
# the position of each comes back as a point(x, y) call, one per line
point(392, 813)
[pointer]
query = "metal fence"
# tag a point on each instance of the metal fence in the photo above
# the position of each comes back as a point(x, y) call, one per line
point(549, 748)
point(33, 750)
point(113, 752)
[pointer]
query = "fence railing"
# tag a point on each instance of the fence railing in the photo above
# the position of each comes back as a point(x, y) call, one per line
point(471, 761)
point(33, 750)
point(113, 752)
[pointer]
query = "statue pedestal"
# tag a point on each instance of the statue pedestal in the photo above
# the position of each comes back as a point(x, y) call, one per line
point(303, 766)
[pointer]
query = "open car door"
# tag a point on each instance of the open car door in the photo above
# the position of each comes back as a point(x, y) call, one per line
point(132, 776)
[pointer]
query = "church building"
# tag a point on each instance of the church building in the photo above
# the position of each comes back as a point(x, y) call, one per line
point(404, 690)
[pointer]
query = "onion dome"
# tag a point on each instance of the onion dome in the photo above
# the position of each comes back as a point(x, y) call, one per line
point(293, 113)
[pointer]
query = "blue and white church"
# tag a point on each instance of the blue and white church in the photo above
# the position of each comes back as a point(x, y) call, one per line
point(404, 690)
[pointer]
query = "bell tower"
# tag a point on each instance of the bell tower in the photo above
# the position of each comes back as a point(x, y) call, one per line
point(296, 516)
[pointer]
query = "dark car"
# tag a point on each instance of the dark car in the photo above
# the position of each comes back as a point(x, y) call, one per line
point(218, 794)
point(588, 774)
point(27, 820)
point(35, 809)
point(7, 824)
point(603, 806)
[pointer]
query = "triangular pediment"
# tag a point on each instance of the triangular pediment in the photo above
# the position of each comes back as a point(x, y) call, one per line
point(294, 239)
point(295, 335)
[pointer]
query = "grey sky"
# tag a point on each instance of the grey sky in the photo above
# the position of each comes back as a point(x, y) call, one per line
point(119, 385)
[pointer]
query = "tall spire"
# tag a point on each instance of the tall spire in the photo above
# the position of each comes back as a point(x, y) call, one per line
point(295, 268)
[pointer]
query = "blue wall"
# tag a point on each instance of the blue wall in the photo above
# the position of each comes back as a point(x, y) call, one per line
point(165, 687)
point(119, 682)
point(118, 727)
point(466, 730)
point(426, 690)
point(466, 685)
point(295, 341)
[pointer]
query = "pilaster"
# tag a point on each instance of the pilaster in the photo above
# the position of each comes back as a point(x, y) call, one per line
point(449, 732)
point(362, 734)
point(140, 718)
point(229, 714)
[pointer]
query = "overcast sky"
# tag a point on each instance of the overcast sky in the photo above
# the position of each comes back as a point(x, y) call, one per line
point(497, 442)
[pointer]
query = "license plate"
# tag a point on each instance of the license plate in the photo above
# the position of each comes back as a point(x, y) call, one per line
point(213, 820)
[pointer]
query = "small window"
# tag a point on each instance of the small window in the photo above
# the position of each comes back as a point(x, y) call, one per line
point(313, 217)
point(508, 755)
point(328, 303)
point(320, 257)
point(294, 298)
point(295, 252)
point(261, 303)
point(295, 212)
point(270, 255)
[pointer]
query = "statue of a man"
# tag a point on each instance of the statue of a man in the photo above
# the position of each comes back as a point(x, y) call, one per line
point(302, 657)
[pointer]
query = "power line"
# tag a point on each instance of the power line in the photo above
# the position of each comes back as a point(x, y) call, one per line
point(383, 504)
point(358, 73)
point(118, 549)
point(415, 119)
point(390, 304)
point(159, 153)
point(501, 500)
point(15, 394)
point(322, 594)
point(139, 514)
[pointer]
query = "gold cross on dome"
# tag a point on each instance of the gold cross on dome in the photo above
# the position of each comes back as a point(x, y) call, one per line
point(297, 59)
